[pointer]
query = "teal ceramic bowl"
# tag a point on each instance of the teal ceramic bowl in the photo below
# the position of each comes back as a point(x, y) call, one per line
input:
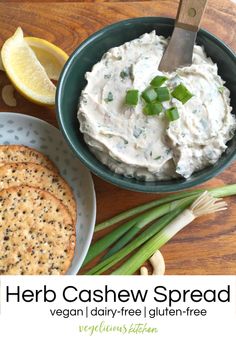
point(72, 82)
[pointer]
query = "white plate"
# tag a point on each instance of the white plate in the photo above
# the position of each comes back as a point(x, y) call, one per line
point(16, 128)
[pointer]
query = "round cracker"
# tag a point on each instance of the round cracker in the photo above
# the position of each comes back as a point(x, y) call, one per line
point(38, 176)
point(37, 233)
point(21, 153)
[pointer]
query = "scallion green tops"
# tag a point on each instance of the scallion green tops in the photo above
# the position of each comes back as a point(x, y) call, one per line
point(162, 94)
point(172, 114)
point(158, 81)
point(181, 93)
point(155, 94)
point(152, 109)
point(149, 95)
point(131, 97)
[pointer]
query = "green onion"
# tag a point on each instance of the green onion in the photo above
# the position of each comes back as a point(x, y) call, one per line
point(126, 238)
point(172, 114)
point(157, 226)
point(139, 209)
point(143, 221)
point(158, 81)
point(152, 109)
point(129, 229)
point(181, 93)
point(137, 242)
point(216, 192)
point(131, 97)
point(176, 202)
point(149, 95)
point(102, 244)
point(204, 204)
point(162, 94)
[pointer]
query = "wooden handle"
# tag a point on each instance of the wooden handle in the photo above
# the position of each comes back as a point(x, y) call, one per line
point(190, 13)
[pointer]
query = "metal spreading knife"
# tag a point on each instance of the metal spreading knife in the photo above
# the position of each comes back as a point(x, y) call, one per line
point(179, 52)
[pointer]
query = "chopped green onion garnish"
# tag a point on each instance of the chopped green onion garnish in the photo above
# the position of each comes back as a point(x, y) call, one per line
point(172, 114)
point(162, 94)
point(151, 109)
point(158, 81)
point(131, 97)
point(181, 93)
point(149, 94)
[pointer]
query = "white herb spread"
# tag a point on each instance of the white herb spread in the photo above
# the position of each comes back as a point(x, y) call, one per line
point(151, 147)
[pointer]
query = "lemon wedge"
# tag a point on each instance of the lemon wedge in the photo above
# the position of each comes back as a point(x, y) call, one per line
point(25, 68)
point(51, 57)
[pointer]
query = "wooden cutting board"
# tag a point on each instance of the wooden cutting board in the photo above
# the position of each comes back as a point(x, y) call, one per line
point(208, 246)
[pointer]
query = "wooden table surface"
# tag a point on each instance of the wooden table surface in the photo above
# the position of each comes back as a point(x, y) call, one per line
point(208, 246)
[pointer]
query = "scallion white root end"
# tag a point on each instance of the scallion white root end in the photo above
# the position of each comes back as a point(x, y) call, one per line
point(203, 205)
point(206, 204)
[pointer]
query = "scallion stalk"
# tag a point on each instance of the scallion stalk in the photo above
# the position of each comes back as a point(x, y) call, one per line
point(137, 242)
point(205, 204)
point(146, 219)
point(123, 240)
point(131, 228)
point(139, 209)
point(104, 242)
point(142, 238)
point(223, 191)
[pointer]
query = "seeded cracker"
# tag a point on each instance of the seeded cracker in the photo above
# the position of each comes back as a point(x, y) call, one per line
point(21, 153)
point(34, 175)
point(37, 234)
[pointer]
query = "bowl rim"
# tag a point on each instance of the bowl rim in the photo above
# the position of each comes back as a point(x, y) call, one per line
point(116, 179)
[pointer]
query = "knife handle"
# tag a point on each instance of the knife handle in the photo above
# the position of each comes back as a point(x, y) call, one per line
point(190, 13)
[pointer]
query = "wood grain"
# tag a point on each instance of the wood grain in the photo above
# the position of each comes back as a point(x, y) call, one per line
point(208, 246)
